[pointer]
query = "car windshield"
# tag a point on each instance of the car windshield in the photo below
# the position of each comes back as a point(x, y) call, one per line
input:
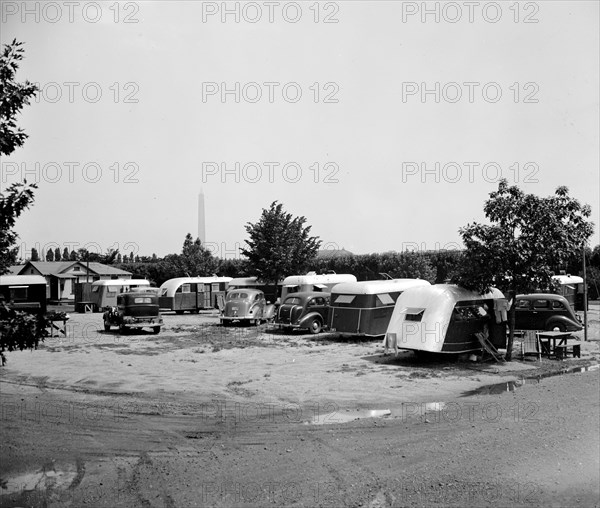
point(293, 301)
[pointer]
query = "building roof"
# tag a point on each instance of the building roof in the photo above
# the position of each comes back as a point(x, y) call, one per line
point(373, 287)
point(7, 280)
point(60, 267)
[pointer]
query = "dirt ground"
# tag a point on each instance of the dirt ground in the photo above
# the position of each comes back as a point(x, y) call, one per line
point(202, 415)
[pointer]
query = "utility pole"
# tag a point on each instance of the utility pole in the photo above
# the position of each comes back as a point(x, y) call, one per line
point(585, 301)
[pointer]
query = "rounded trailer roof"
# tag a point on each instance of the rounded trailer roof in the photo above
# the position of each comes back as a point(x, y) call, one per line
point(436, 303)
point(308, 294)
point(19, 280)
point(371, 287)
point(171, 285)
point(121, 282)
point(243, 281)
point(328, 278)
point(568, 279)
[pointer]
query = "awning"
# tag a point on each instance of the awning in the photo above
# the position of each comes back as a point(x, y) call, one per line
point(412, 310)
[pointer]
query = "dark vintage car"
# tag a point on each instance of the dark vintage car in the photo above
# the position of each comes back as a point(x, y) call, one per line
point(246, 306)
point(307, 309)
point(541, 311)
point(136, 309)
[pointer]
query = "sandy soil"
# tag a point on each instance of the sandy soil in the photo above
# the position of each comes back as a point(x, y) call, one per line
point(202, 415)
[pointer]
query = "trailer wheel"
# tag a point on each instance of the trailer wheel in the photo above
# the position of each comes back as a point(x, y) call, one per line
point(315, 326)
point(122, 329)
point(156, 329)
point(106, 326)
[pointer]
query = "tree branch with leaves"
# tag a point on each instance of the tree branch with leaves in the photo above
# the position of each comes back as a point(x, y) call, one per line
point(279, 244)
point(527, 238)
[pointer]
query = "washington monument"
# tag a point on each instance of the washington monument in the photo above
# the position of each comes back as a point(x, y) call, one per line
point(201, 219)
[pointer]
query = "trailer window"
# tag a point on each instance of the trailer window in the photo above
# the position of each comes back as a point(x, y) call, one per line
point(186, 288)
point(413, 314)
point(18, 293)
point(95, 289)
point(345, 299)
point(384, 299)
point(468, 313)
point(111, 289)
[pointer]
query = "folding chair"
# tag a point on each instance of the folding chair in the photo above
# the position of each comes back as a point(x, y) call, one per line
point(530, 344)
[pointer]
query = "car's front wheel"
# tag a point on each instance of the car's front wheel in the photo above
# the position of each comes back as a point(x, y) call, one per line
point(122, 329)
point(315, 326)
point(106, 326)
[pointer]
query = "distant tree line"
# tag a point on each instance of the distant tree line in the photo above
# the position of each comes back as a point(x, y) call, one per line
point(434, 266)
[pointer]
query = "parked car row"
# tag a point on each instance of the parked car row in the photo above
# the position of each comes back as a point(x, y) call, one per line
point(314, 303)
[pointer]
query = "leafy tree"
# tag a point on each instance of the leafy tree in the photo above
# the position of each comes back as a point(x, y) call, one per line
point(234, 268)
point(528, 237)
point(73, 256)
point(18, 197)
point(110, 257)
point(13, 96)
point(34, 254)
point(131, 257)
point(18, 330)
point(195, 259)
point(57, 256)
point(49, 255)
point(279, 244)
point(119, 258)
point(65, 254)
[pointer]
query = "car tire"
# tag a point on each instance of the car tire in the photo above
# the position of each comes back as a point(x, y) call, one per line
point(179, 312)
point(106, 326)
point(156, 330)
point(315, 326)
point(122, 329)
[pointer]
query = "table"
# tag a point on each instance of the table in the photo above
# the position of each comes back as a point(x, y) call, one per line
point(549, 346)
point(57, 317)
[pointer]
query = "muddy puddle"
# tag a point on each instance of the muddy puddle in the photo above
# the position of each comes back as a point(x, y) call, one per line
point(424, 408)
point(509, 386)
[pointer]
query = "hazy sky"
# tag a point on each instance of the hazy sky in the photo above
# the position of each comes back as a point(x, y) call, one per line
point(385, 123)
